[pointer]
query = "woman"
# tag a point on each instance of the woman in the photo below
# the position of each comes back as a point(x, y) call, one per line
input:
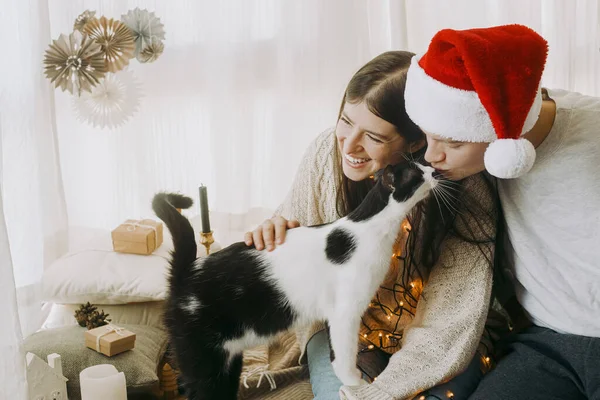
point(430, 312)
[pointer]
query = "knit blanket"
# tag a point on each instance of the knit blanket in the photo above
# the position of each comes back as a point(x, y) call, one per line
point(272, 372)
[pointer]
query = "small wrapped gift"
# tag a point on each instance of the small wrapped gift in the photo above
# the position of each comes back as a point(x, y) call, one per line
point(109, 339)
point(137, 236)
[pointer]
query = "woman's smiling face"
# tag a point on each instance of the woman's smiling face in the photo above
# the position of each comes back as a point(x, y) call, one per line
point(367, 142)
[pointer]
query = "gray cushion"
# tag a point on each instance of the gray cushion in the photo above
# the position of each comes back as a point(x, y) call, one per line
point(140, 365)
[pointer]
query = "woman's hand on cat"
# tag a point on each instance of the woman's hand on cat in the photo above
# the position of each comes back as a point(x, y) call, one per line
point(269, 233)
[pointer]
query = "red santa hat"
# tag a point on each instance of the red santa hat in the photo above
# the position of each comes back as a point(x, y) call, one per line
point(481, 85)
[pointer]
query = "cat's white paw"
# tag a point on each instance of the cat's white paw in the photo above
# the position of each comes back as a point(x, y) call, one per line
point(362, 381)
point(350, 376)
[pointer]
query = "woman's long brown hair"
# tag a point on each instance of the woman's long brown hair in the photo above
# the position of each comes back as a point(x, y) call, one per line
point(380, 84)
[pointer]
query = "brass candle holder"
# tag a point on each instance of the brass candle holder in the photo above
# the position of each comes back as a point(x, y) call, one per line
point(206, 240)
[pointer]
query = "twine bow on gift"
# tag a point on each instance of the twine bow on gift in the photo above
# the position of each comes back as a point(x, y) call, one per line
point(132, 226)
point(261, 371)
point(109, 329)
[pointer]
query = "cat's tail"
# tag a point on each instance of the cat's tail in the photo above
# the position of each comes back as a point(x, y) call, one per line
point(165, 206)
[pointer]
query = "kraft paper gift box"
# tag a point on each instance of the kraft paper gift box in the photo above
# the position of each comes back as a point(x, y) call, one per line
point(109, 340)
point(137, 236)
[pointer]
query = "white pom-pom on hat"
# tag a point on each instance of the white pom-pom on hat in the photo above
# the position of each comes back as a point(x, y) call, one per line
point(509, 158)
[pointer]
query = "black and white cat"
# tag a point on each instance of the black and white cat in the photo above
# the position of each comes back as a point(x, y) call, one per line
point(240, 297)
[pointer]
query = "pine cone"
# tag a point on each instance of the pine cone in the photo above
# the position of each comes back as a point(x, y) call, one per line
point(82, 314)
point(97, 319)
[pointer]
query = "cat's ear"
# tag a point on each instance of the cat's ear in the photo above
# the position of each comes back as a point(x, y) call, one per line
point(386, 175)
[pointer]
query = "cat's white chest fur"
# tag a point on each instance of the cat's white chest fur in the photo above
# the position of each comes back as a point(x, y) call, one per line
point(314, 285)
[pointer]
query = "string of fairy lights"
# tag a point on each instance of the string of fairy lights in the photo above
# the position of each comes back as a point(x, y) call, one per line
point(405, 303)
point(406, 299)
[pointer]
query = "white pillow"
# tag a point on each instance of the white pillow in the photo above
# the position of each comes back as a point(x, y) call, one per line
point(104, 277)
point(92, 272)
point(101, 276)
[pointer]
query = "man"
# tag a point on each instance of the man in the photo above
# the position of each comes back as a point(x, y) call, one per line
point(476, 94)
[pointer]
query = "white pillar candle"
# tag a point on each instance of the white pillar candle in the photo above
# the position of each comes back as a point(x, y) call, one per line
point(102, 382)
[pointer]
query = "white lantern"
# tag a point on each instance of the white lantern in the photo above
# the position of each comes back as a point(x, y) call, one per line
point(102, 382)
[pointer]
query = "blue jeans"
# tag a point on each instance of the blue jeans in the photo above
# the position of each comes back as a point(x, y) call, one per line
point(326, 385)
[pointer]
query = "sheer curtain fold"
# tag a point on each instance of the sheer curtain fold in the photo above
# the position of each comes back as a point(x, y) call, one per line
point(13, 383)
point(12, 362)
point(33, 215)
point(242, 87)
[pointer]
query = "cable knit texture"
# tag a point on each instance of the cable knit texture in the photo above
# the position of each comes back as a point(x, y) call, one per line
point(441, 339)
point(312, 198)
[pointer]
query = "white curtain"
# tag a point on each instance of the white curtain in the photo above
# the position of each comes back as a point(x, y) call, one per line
point(33, 217)
point(242, 87)
point(12, 371)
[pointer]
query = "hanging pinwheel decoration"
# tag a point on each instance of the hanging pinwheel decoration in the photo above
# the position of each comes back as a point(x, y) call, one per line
point(92, 64)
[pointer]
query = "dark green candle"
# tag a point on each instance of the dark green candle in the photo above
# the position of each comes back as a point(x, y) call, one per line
point(204, 210)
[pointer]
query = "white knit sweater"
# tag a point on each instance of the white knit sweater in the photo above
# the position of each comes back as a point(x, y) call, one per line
point(440, 341)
